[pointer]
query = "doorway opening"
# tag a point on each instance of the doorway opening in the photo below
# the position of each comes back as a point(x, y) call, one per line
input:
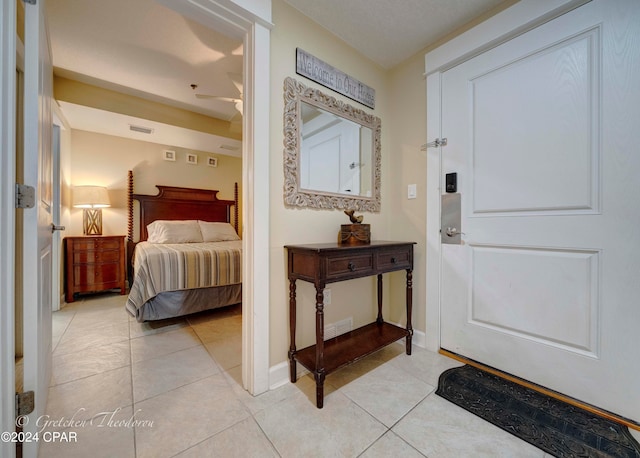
point(254, 34)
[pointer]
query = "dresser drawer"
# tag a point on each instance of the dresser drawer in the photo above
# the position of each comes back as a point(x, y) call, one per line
point(345, 266)
point(89, 274)
point(96, 244)
point(94, 263)
point(395, 259)
point(83, 257)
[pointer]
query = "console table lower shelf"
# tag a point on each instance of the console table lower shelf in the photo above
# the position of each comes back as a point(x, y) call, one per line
point(349, 347)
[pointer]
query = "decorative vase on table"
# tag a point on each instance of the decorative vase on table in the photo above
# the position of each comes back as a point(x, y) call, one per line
point(355, 233)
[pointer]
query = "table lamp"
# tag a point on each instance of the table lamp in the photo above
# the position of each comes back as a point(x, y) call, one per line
point(92, 199)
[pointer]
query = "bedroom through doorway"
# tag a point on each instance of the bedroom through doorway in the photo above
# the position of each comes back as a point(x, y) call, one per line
point(144, 27)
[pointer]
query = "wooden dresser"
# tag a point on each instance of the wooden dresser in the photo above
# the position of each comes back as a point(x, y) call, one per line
point(321, 264)
point(94, 263)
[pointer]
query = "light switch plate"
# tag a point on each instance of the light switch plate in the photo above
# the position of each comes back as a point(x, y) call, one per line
point(411, 191)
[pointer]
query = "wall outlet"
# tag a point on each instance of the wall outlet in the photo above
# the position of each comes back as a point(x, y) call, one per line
point(327, 296)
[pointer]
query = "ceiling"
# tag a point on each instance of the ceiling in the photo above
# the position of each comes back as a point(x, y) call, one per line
point(145, 49)
point(390, 31)
point(142, 48)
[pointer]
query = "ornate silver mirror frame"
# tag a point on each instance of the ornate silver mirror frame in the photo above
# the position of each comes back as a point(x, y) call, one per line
point(296, 93)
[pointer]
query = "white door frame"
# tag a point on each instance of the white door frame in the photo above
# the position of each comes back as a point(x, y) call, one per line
point(253, 27)
point(516, 20)
point(7, 221)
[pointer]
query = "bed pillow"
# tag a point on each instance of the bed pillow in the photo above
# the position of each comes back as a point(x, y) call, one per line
point(161, 231)
point(217, 232)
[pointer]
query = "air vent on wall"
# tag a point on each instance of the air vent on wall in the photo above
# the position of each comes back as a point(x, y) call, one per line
point(335, 329)
point(144, 130)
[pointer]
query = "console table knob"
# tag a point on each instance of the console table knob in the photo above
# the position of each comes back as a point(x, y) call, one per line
point(351, 267)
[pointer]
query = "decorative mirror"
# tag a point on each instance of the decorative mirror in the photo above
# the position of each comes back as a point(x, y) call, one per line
point(332, 152)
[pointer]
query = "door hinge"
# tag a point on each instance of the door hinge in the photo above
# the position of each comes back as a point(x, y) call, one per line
point(25, 403)
point(25, 196)
point(437, 143)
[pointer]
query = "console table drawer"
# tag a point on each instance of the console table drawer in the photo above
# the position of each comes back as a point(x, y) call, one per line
point(397, 259)
point(349, 265)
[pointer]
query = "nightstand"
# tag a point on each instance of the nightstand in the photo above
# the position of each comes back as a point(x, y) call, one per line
point(94, 263)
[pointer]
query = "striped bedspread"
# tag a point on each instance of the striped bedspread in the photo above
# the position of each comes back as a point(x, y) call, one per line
point(174, 267)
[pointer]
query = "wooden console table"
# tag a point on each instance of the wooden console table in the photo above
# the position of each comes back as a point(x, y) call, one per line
point(329, 263)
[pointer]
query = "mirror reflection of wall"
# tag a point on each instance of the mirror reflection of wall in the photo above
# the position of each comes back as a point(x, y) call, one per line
point(335, 153)
point(366, 161)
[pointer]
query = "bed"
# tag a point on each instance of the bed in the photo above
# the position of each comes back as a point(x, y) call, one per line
point(187, 257)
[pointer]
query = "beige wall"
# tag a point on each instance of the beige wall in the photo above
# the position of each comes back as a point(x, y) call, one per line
point(408, 165)
point(401, 104)
point(407, 129)
point(116, 102)
point(104, 160)
point(297, 226)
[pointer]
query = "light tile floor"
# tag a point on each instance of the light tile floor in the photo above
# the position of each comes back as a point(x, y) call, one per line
point(172, 388)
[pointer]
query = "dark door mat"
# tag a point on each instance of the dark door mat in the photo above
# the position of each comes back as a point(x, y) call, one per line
point(556, 427)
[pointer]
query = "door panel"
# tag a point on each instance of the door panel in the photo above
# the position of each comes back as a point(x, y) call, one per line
point(37, 234)
point(537, 284)
point(549, 117)
point(539, 131)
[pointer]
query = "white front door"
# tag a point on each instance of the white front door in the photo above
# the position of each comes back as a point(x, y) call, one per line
point(37, 236)
point(543, 132)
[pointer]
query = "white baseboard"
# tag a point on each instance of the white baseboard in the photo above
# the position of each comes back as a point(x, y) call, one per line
point(419, 339)
point(279, 374)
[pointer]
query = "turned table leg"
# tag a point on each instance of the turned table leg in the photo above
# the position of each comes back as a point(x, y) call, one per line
point(319, 376)
point(292, 330)
point(379, 319)
point(409, 309)
point(319, 373)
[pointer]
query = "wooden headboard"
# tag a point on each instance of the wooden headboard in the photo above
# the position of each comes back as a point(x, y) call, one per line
point(174, 203)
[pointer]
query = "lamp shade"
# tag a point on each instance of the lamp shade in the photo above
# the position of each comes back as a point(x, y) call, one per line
point(90, 197)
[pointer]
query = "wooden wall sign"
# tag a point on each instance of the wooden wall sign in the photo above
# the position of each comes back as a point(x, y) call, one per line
point(322, 73)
